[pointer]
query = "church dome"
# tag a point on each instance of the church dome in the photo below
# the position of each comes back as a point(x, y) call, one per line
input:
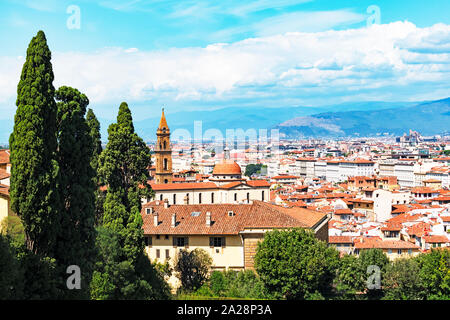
point(227, 167)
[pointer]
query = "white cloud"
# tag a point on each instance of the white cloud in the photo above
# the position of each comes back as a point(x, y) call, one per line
point(397, 61)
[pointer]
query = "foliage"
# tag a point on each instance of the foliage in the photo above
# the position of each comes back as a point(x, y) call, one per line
point(293, 264)
point(252, 169)
point(11, 277)
point(350, 276)
point(94, 132)
point(192, 268)
point(127, 273)
point(402, 280)
point(33, 144)
point(12, 227)
point(435, 274)
point(117, 279)
point(76, 237)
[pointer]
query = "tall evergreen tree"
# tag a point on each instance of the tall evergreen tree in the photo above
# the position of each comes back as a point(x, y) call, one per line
point(76, 236)
point(123, 167)
point(34, 169)
point(94, 131)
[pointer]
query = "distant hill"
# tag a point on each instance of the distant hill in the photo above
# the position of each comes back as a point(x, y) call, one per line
point(293, 121)
point(248, 118)
point(428, 118)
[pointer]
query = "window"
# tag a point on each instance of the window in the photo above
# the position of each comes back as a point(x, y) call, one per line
point(157, 253)
point(157, 237)
point(166, 237)
point(180, 241)
point(174, 198)
point(248, 196)
point(212, 197)
point(217, 241)
point(165, 164)
point(399, 251)
point(167, 254)
point(389, 251)
point(199, 198)
point(262, 196)
point(160, 197)
point(409, 251)
point(235, 197)
point(148, 241)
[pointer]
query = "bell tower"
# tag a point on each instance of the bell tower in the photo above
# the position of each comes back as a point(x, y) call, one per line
point(163, 152)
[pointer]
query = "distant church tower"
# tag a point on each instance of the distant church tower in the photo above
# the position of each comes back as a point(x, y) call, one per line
point(163, 152)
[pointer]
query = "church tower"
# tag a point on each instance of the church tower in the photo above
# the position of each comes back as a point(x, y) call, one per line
point(163, 152)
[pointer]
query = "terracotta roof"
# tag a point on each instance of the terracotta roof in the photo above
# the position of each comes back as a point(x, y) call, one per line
point(4, 190)
point(340, 239)
point(445, 218)
point(257, 215)
point(227, 167)
point(343, 211)
point(258, 183)
point(391, 227)
point(423, 190)
point(183, 186)
point(4, 156)
point(436, 239)
point(284, 177)
point(383, 244)
point(4, 174)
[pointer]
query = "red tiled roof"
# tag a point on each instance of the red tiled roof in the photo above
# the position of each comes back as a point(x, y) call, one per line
point(227, 167)
point(246, 216)
point(343, 211)
point(340, 239)
point(384, 244)
point(4, 156)
point(183, 186)
point(436, 239)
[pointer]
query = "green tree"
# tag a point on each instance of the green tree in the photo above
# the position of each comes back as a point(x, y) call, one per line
point(192, 268)
point(94, 131)
point(12, 227)
point(34, 169)
point(435, 274)
point(402, 280)
point(350, 278)
point(372, 260)
point(123, 167)
point(11, 277)
point(293, 264)
point(252, 169)
point(76, 236)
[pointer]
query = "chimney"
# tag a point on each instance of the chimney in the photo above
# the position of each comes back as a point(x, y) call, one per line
point(208, 219)
point(155, 219)
point(174, 220)
point(166, 203)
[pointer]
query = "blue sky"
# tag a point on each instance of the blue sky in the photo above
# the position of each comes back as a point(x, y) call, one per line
point(212, 54)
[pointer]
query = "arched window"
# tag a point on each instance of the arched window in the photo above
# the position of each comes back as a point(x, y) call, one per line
point(165, 145)
point(165, 163)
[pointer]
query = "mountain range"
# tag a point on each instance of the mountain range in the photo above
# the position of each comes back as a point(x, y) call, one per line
point(373, 118)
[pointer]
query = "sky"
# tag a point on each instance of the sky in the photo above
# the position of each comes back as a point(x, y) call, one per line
point(205, 54)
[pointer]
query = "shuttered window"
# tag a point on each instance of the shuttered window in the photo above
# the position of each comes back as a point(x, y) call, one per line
point(217, 241)
point(180, 241)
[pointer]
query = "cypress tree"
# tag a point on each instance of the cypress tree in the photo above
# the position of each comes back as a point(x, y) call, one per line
point(123, 167)
point(76, 237)
point(34, 169)
point(94, 131)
